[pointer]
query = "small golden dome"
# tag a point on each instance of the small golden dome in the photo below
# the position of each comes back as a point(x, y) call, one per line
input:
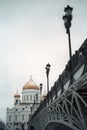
point(31, 85)
point(17, 94)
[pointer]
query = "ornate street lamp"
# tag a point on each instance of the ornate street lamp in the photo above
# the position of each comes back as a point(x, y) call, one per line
point(31, 109)
point(36, 97)
point(41, 85)
point(47, 74)
point(67, 22)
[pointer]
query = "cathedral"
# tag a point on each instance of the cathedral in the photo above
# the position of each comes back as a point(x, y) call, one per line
point(25, 105)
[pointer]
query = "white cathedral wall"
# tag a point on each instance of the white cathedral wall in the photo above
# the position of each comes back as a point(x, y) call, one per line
point(22, 108)
point(17, 116)
point(29, 95)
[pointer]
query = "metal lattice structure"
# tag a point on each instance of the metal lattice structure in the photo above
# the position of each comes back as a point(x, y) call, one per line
point(66, 104)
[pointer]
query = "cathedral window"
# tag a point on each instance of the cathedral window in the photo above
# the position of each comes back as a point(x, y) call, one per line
point(31, 97)
point(27, 97)
point(15, 117)
point(16, 101)
point(24, 98)
point(9, 118)
point(22, 117)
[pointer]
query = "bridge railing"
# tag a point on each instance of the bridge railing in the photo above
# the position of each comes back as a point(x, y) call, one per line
point(79, 61)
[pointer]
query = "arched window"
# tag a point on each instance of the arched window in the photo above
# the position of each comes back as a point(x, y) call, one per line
point(31, 97)
point(15, 117)
point(16, 101)
point(22, 117)
point(24, 98)
point(9, 118)
point(27, 97)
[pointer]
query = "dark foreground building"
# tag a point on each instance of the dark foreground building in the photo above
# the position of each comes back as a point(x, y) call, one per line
point(2, 125)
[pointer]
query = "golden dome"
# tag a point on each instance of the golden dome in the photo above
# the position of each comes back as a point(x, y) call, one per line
point(17, 94)
point(31, 85)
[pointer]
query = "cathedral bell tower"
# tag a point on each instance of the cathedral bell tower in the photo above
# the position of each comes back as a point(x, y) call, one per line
point(17, 98)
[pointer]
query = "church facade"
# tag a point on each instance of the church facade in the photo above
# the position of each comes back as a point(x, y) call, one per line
point(25, 105)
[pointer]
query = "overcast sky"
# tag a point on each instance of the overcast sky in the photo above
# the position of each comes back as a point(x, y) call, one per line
point(32, 34)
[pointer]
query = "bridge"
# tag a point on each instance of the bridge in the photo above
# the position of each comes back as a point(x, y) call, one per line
point(65, 106)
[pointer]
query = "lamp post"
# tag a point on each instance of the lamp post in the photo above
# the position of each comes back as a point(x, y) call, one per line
point(41, 85)
point(36, 98)
point(47, 74)
point(67, 23)
point(31, 108)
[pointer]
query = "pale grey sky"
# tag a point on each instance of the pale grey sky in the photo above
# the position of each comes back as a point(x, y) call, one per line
point(32, 34)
